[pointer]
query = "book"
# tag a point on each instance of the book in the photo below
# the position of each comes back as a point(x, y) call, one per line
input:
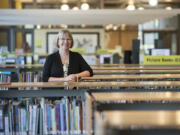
point(1, 118)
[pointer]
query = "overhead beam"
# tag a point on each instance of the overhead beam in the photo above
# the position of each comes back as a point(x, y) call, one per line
point(89, 17)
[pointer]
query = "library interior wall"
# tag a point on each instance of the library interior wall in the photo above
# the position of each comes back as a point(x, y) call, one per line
point(167, 23)
point(108, 39)
point(19, 39)
point(4, 4)
point(111, 39)
point(41, 41)
point(126, 39)
point(3, 36)
point(161, 24)
point(120, 38)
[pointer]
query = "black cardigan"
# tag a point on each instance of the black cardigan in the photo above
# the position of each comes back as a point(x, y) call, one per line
point(53, 66)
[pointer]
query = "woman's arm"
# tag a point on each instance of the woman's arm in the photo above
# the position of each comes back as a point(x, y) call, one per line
point(69, 78)
point(83, 74)
point(72, 77)
point(56, 79)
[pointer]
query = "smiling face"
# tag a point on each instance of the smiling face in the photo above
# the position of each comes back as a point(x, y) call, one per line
point(65, 40)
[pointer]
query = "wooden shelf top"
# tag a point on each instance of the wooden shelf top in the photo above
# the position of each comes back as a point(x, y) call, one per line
point(111, 67)
point(136, 96)
point(138, 76)
point(135, 71)
point(136, 68)
point(40, 55)
point(20, 66)
point(143, 119)
point(94, 84)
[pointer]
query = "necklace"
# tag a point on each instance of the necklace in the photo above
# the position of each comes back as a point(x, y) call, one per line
point(64, 58)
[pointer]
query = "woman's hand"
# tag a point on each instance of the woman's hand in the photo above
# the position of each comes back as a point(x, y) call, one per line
point(71, 78)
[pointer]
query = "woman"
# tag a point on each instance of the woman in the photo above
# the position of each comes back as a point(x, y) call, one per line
point(65, 65)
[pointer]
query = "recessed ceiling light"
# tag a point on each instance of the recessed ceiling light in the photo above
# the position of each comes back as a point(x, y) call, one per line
point(75, 8)
point(168, 8)
point(115, 27)
point(153, 2)
point(140, 8)
point(65, 7)
point(85, 6)
point(130, 7)
point(123, 26)
point(38, 26)
point(168, 0)
point(64, 26)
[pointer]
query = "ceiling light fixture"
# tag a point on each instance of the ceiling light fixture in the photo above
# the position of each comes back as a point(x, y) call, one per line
point(168, 8)
point(123, 26)
point(85, 6)
point(153, 2)
point(140, 8)
point(38, 26)
point(64, 7)
point(75, 8)
point(83, 25)
point(64, 26)
point(115, 28)
point(130, 7)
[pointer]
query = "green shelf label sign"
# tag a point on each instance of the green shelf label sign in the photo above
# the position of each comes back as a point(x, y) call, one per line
point(162, 60)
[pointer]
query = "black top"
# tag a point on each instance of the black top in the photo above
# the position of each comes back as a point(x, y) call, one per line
point(53, 66)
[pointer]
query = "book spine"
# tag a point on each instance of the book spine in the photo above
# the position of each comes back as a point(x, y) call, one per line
point(6, 121)
point(1, 119)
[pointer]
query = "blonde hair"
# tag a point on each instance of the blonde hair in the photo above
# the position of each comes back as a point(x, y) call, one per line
point(61, 33)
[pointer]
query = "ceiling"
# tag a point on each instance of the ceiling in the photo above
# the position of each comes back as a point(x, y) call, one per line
point(98, 4)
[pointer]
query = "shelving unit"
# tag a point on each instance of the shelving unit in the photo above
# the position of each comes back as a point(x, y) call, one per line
point(71, 100)
point(135, 113)
point(95, 90)
point(138, 122)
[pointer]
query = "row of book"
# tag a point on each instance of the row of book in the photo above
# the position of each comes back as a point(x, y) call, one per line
point(5, 78)
point(30, 77)
point(8, 77)
point(19, 117)
point(44, 116)
point(19, 58)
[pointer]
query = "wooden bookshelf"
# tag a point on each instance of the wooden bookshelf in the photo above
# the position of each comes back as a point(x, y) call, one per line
point(143, 119)
point(38, 97)
point(93, 84)
point(40, 93)
point(136, 96)
point(138, 76)
point(132, 65)
point(25, 54)
point(112, 72)
point(108, 67)
point(137, 122)
point(136, 68)
point(20, 66)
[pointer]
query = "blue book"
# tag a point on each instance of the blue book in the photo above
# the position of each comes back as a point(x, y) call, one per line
point(57, 117)
point(48, 117)
point(1, 118)
point(74, 124)
point(59, 105)
point(16, 118)
point(69, 115)
point(62, 118)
